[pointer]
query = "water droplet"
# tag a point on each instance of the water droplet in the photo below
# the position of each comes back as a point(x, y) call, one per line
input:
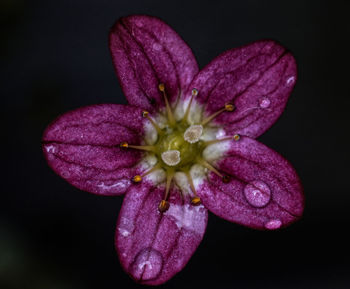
point(257, 193)
point(147, 265)
point(157, 47)
point(264, 102)
point(273, 224)
point(290, 80)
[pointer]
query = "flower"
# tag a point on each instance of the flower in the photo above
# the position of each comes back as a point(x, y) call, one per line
point(184, 145)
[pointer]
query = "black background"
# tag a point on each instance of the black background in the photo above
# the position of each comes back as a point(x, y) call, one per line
point(55, 57)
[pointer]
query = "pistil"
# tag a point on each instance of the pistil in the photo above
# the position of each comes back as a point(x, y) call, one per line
point(193, 133)
point(171, 157)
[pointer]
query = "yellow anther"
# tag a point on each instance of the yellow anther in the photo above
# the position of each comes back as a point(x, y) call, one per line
point(161, 87)
point(229, 107)
point(137, 179)
point(124, 145)
point(145, 113)
point(236, 137)
point(195, 201)
point(163, 206)
point(225, 179)
point(194, 92)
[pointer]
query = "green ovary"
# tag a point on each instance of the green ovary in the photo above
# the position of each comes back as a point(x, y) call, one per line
point(173, 139)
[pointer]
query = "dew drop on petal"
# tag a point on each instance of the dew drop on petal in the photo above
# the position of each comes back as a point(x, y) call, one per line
point(147, 264)
point(273, 224)
point(157, 47)
point(264, 102)
point(290, 80)
point(257, 193)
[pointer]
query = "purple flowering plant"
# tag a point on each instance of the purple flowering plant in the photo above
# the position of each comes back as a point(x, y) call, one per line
point(184, 145)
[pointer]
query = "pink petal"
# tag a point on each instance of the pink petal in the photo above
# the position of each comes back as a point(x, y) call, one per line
point(153, 247)
point(147, 52)
point(257, 79)
point(82, 146)
point(264, 190)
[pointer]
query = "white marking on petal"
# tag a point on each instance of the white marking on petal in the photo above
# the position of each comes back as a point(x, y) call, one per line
point(156, 177)
point(123, 232)
point(198, 175)
point(195, 113)
point(212, 133)
point(118, 186)
point(50, 149)
point(125, 227)
point(181, 181)
point(216, 151)
point(188, 217)
point(151, 134)
point(148, 162)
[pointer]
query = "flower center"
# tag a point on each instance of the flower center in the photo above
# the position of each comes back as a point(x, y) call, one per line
point(179, 146)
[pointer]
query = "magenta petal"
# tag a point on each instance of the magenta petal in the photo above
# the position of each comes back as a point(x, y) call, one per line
point(82, 146)
point(147, 52)
point(153, 247)
point(264, 191)
point(257, 79)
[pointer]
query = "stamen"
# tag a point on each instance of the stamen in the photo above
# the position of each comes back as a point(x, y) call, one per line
point(171, 157)
point(168, 108)
point(205, 164)
point(194, 93)
point(193, 133)
point(209, 167)
point(164, 204)
point(195, 201)
point(138, 178)
point(156, 167)
point(210, 142)
point(125, 145)
point(146, 115)
point(228, 107)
